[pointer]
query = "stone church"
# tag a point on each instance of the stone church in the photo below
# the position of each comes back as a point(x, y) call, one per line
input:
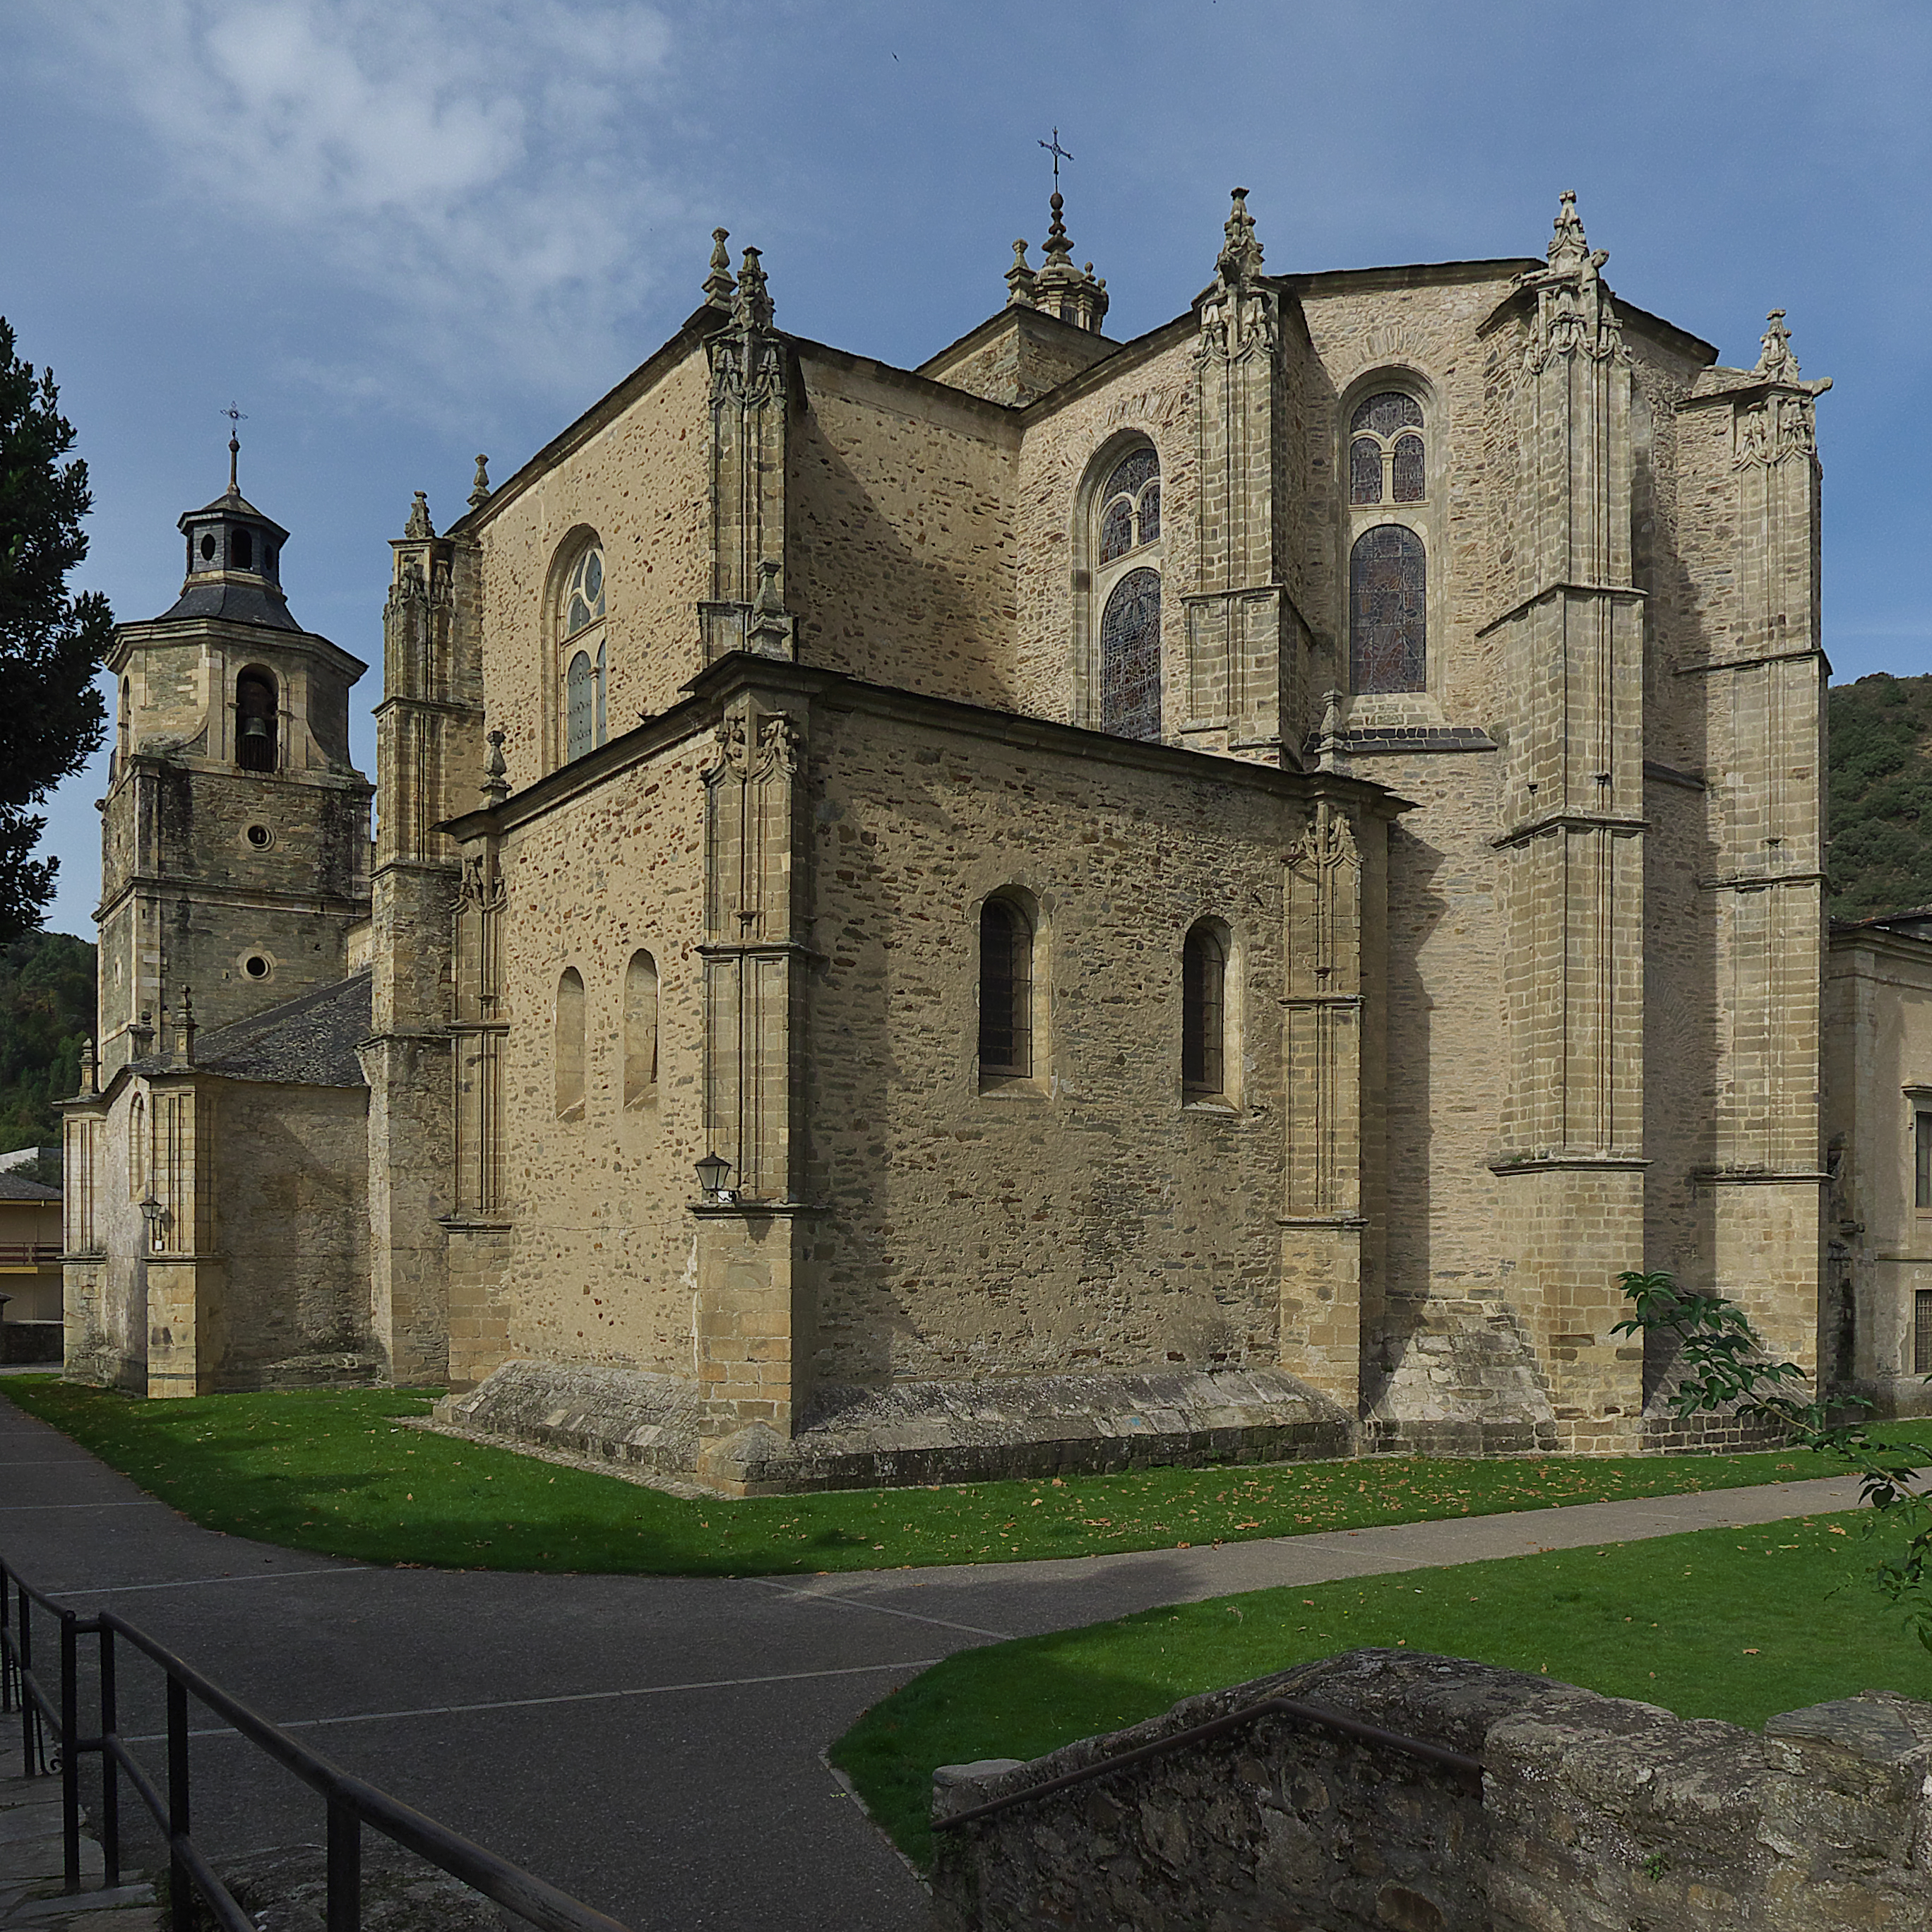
point(1088, 901)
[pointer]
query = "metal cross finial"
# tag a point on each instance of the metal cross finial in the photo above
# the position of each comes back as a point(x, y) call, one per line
point(1059, 154)
point(235, 418)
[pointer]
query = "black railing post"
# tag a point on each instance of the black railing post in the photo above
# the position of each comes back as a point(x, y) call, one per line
point(345, 1867)
point(110, 1771)
point(70, 1754)
point(6, 1640)
point(29, 1717)
point(180, 1887)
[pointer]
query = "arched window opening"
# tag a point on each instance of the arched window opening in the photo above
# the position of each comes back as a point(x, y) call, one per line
point(255, 748)
point(1130, 658)
point(570, 1045)
point(1005, 991)
point(580, 633)
point(1388, 611)
point(121, 723)
point(137, 1147)
point(1130, 504)
point(241, 551)
point(1385, 450)
point(641, 1030)
point(1203, 1008)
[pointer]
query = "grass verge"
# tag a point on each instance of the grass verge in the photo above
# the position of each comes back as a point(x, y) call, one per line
point(1721, 1623)
point(336, 1470)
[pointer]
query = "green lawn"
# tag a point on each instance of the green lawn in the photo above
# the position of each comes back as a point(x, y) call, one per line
point(1722, 1623)
point(335, 1471)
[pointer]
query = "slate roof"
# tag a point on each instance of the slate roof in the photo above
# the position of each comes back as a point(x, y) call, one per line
point(310, 1041)
point(236, 603)
point(18, 1187)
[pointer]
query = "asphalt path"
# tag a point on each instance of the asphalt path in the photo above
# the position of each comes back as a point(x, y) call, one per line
point(652, 1745)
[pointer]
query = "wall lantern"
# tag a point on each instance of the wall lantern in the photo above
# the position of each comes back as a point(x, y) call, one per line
point(712, 1171)
point(154, 1214)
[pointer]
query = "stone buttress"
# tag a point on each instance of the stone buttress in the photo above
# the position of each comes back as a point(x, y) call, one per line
point(429, 747)
point(1571, 1163)
point(1763, 674)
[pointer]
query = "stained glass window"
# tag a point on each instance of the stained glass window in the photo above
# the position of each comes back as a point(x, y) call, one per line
point(1141, 466)
point(1130, 658)
point(1384, 415)
point(580, 735)
point(582, 611)
point(1203, 974)
point(1006, 990)
point(1365, 471)
point(1387, 620)
point(1130, 513)
point(583, 596)
point(1408, 470)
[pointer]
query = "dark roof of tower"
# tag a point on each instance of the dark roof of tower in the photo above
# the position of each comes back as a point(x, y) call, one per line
point(18, 1187)
point(247, 594)
point(309, 1041)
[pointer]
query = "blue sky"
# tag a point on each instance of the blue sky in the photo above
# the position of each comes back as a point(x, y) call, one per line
point(399, 232)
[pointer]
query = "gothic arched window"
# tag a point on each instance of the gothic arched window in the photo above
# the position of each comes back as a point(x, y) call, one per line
point(1124, 590)
point(255, 721)
point(570, 1045)
point(581, 653)
point(640, 1030)
point(1005, 991)
point(1385, 452)
point(1130, 658)
point(1204, 1012)
point(1388, 585)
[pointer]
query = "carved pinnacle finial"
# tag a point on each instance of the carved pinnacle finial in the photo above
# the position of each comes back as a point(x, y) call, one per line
point(1020, 279)
point(1774, 356)
point(479, 491)
point(496, 787)
point(1240, 260)
point(718, 284)
point(754, 306)
point(1569, 247)
point(90, 1083)
point(1332, 743)
point(182, 1044)
point(418, 524)
point(1058, 249)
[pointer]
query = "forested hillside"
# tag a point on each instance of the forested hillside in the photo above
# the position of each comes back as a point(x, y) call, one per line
point(46, 1010)
point(1881, 797)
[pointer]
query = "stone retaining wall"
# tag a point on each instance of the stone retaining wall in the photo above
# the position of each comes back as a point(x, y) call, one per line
point(1596, 1815)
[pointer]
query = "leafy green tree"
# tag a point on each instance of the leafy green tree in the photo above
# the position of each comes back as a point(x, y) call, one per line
point(51, 641)
point(47, 1011)
point(1721, 1368)
point(1880, 811)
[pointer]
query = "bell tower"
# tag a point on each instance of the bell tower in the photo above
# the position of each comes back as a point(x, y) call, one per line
point(235, 842)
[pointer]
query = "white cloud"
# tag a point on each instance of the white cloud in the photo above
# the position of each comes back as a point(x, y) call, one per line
point(479, 174)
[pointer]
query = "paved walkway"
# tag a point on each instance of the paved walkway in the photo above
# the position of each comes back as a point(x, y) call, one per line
point(652, 1744)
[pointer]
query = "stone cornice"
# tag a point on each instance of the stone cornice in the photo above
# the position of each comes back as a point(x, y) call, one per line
point(1568, 821)
point(225, 630)
point(1560, 589)
point(745, 670)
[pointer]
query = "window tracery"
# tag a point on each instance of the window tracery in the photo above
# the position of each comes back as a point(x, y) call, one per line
point(581, 650)
point(1386, 454)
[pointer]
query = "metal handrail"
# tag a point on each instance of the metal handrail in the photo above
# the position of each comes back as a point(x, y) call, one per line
point(1468, 1769)
point(351, 1802)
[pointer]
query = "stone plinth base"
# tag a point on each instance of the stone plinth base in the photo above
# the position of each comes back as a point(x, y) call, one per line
point(912, 1432)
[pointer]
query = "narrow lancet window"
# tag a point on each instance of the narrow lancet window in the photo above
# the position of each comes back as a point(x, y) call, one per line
point(1204, 1004)
point(570, 1045)
point(1005, 991)
point(641, 1030)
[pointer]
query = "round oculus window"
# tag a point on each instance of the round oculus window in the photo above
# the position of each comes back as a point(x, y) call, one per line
point(256, 966)
point(260, 837)
point(208, 548)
